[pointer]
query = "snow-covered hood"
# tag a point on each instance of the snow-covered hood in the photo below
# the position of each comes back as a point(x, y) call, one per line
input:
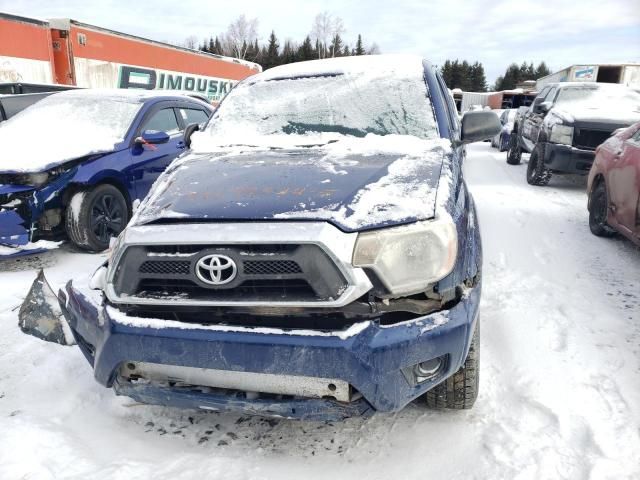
point(597, 115)
point(354, 191)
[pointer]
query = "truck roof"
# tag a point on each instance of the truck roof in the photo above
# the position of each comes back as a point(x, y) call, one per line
point(342, 65)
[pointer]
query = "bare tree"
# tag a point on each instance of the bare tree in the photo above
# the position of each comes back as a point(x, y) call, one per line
point(191, 42)
point(241, 34)
point(321, 32)
point(325, 28)
point(374, 49)
point(337, 30)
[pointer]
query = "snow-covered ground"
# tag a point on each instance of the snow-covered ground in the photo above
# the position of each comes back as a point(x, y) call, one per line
point(560, 374)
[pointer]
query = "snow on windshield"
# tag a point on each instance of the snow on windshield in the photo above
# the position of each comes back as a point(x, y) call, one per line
point(62, 127)
point(314, 102)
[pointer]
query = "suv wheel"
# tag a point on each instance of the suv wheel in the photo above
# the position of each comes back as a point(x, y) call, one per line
point(514, 152)
point(598, 210)
point(537, 174)
point(459, 391)
point(96, 215)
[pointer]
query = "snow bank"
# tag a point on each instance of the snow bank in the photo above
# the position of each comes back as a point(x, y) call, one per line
point(65, 126)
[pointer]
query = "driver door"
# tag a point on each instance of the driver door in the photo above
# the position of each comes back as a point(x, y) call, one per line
point(538, 118)
point(149, 161)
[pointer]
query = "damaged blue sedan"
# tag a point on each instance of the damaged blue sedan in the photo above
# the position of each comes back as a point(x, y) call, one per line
point(316, 255)
point(73, 164)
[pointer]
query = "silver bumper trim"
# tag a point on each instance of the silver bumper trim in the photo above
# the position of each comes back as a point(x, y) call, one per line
point(308, 387)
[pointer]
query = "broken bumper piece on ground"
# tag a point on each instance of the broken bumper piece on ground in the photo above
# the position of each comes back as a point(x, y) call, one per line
point(372, 359)
point(40, 314)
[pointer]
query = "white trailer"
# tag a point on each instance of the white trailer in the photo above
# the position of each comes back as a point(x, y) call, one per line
point(626, 74)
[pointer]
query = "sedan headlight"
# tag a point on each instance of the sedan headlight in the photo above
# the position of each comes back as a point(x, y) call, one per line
point(561, 134)
point(33, 179)
point(407, 259)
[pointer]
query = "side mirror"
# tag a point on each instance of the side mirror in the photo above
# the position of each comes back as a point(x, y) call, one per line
point(152, 137)
point(479, 126)
point(543, 107)
point(192, 127)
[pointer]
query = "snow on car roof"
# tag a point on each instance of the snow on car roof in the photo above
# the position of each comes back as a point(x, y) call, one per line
point(67, 125)
point(398, 63)
point(133, 95)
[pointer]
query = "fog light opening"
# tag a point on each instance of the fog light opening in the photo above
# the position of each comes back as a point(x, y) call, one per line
point(429, 369)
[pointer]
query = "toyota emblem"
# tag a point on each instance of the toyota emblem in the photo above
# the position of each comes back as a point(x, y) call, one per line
point(216, 269)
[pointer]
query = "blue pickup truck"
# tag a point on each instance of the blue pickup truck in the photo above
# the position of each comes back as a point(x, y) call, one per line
point(317, 255)
point(74, 163)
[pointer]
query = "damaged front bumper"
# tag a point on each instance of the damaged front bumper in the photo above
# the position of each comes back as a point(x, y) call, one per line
point(373, 359)
point(16, 208)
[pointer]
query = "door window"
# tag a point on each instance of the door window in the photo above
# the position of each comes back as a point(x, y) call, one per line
point(550, 95)
point(163, 121)
point(193, 115)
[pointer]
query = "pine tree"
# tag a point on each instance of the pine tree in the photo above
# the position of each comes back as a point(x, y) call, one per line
point(478, 79)
point(253, 52)
point(217, 47)
point(306, 51)
point(541, 71)
point(359, 50)
point(346, 51)
point(288, 53)
point(272, 54)
point(336, 46)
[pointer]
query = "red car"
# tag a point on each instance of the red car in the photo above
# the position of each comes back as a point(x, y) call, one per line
point(614, 186)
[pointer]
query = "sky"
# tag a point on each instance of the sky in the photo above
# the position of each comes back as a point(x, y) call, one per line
point(494, 32)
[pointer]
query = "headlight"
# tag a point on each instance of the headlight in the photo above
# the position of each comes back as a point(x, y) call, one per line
point(40, 179)
point(33, 179)
point(562, 134)
point(409, 258)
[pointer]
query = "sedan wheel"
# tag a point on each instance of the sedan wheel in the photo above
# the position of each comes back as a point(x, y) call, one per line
point(94, 216)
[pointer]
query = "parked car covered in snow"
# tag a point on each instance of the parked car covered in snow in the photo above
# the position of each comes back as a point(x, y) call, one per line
point(614, 186)
point(565, 124)
point(16, 96)
point(75, 162)
point(507, 118)
point(316, 256)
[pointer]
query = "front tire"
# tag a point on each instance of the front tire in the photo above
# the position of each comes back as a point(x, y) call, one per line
point(514, 152)
point(460, 391)
point(598, 211)
point(96, 215)
point(537, 173)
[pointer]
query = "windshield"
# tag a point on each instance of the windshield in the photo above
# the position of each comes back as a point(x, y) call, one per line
point(319, 107)
point(599, 97)
point(64, 126)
